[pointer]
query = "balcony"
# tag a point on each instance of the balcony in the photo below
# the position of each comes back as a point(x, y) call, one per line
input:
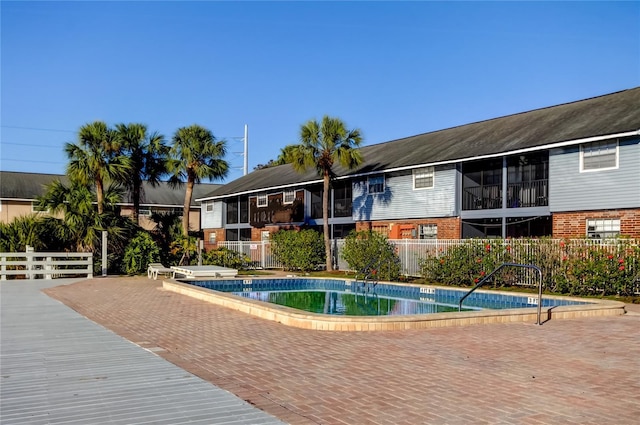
point(482, 197)
point(519, 195)
point(528, 194)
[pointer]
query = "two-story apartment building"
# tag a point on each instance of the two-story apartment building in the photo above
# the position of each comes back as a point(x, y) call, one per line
point(19, 190)
point(571, 170)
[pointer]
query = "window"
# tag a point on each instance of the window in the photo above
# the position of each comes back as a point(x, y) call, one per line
point(599, 156)
point(288, 196)
point(232, 211)
point(209, 206)
point(428, 231)
point(244, 209)
point(342, 203)
point(144, 212)
point(262, 201)
point(265, 235)
point(212, 237)
point(601, 228)
point(316, 203)
point(375, 184)
point(423, 178)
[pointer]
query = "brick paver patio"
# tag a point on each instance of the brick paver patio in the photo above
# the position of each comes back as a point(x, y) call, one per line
point(584, 371)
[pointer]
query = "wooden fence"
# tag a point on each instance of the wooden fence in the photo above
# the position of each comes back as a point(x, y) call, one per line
point(47, 265)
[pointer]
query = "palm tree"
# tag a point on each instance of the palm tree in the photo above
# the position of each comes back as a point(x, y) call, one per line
point(80, 224)
point(194, 156)
point(147, 154)
point(321, 146)
point(96, 159)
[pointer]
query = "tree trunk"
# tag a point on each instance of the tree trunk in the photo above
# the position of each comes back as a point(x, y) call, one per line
point(136, 202)
point(100, 196)
point(187, 207)
point(325, 221)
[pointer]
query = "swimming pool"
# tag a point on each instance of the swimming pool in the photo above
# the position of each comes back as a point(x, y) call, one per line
point(346, 297)
point(396, 312)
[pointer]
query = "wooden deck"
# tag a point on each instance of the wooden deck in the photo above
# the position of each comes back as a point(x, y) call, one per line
point(58, 367)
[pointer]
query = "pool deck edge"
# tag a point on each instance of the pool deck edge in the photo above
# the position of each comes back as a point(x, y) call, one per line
point(313, 321)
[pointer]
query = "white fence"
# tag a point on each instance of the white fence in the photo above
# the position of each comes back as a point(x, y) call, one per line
point(47, 265)
point(413, 252)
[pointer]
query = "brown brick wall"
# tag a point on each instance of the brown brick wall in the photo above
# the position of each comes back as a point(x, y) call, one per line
point(219, 238)
point(448, 227)
point(574, 224)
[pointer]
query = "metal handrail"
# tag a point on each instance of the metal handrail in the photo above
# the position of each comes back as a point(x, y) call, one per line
point(500, 267)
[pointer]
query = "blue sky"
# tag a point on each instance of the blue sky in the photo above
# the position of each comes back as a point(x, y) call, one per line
point(392, 69)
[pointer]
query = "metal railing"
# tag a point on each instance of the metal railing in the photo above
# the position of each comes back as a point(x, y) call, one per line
point(48, 265)
point(500, 267)
point(526, 194)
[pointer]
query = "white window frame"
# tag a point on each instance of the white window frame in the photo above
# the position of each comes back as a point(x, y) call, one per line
point(591, 150)
point(595, 227)
point(286, 194)
point(144, 212)
point(370, 183)
point(428, 231)
point(262, 201)
point(212, 237)
point(424, 173)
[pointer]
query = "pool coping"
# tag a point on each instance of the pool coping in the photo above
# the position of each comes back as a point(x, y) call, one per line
point(324, 322)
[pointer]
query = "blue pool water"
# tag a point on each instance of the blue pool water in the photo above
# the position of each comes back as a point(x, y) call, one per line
point(343, 297)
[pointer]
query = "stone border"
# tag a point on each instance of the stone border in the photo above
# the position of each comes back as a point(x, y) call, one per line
point(293, 317)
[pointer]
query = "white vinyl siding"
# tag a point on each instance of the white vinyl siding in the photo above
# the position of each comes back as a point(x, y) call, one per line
point(571, 190)
point(400, 201)
point(212, 219)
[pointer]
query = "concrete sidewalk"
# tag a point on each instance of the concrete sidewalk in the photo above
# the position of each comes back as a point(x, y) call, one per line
point(57, 367)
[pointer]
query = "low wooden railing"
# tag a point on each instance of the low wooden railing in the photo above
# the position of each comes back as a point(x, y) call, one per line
point(47, 265)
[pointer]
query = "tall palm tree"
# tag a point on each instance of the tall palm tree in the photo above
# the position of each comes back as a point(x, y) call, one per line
point(147, 154)
point(195, 155)
point(96, 159)
point(321, 146)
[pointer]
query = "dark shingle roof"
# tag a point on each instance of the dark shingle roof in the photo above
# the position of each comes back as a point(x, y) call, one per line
point(19, 185)
point(613, 113)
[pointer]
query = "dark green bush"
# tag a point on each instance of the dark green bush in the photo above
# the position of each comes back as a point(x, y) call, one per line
point(298, 250)
point(138, 253)
point(370, 253)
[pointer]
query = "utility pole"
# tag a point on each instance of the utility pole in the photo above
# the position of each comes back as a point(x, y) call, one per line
point(246, 150)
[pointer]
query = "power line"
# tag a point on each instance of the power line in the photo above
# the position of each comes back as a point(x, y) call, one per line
point(28, 144)
point(38, 129)
point(32, 160)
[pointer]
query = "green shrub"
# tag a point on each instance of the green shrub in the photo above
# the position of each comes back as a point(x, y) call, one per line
point(225, 257)
point(594, 270)
point(138, 253)
point(370, 253)
point(465, 264)
point(298, 250)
